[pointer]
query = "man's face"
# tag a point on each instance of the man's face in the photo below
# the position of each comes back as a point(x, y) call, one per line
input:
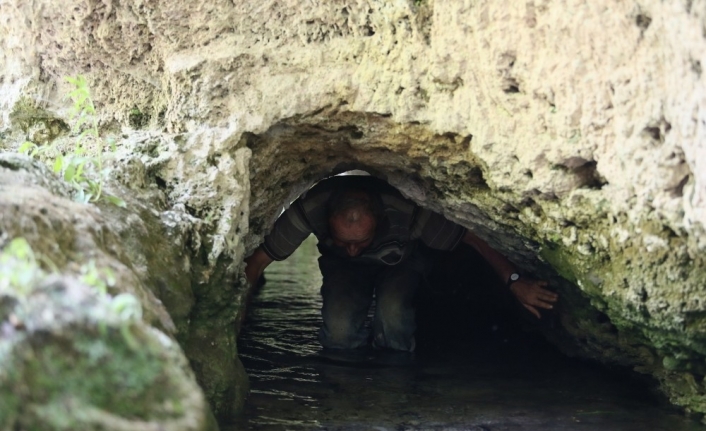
point(353, 236)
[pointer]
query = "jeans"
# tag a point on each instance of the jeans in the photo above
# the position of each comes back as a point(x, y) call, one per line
point(347, 293)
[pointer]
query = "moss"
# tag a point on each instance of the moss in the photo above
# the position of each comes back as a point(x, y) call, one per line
point(211, 346)
point(671, 363)
point(122, 381)
point(137, 118)
point(666, 272)
point(9, 408)
point(38, 125)
point(559, 260)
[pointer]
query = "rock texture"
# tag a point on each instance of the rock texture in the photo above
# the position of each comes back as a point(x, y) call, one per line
point(74, 357)
point(568, 134)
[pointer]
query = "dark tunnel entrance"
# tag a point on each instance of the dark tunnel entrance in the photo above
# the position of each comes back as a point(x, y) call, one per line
point(481, 363)
point(477, 367)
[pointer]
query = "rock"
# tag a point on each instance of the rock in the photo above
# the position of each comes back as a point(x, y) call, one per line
point(70, 361)
point(67, 322)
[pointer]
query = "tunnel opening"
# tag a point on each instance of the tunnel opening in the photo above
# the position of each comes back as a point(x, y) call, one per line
point(475, 322)
point(477, 366)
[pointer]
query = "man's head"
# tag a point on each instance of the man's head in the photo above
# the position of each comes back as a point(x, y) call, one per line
point(352, 220)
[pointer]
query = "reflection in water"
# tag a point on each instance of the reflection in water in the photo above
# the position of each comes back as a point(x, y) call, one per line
point(500, 385)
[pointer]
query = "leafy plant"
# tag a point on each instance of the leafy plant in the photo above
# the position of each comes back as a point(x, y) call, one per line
point(81, 164)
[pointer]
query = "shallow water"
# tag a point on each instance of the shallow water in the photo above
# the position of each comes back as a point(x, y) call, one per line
point(498, 383)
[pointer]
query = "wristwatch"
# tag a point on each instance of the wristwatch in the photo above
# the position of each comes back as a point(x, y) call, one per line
point(513, 278)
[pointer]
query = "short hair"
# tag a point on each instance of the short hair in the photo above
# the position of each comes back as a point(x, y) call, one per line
point(347, 201)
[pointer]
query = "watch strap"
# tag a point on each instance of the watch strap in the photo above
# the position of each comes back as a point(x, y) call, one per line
point(515, 276)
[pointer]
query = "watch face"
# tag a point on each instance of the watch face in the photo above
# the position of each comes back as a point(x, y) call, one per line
point(514, 277)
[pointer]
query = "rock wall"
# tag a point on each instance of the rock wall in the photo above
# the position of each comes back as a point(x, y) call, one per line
point(85, 343)
point(569, 134)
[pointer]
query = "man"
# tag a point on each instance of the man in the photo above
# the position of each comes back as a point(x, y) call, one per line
point(369, 237)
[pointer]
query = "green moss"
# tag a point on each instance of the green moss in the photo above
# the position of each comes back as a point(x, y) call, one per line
point(9, 407)
point(559, 260)
point(671, 363)
point(38, 125)
point(95, 370)
point(138, 119)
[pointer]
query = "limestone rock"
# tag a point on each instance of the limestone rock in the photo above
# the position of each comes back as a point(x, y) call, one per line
point(69, 361)
point(55, 330)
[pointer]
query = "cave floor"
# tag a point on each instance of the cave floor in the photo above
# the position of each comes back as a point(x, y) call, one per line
point(492, 381)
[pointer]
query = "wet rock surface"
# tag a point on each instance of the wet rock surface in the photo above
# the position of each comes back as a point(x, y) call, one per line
point(487, 377)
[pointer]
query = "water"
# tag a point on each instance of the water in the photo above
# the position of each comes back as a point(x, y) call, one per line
point(493, 382)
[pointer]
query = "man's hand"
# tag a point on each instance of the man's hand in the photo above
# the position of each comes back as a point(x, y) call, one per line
point(533, 295)
point(255, 265)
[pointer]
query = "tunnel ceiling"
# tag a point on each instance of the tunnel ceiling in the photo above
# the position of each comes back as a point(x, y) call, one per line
point(569, 135)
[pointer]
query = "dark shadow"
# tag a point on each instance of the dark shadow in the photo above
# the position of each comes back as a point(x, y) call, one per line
point(463, 305)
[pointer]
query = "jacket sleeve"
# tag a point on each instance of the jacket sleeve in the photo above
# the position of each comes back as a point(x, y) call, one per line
point(289, 231)
point(436, 231)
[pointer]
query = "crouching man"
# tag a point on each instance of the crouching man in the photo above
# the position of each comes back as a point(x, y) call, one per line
point(368, 236)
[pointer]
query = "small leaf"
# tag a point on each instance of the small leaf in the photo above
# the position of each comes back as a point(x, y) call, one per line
point(78, 176)
point(93, 186)
point(25, 147)
point(70, 172)
point(79, 98)
point(128, 337)
point(58, 164)
point(115, 200)
point(80, 196)
point(127, 307)
point(109, 277)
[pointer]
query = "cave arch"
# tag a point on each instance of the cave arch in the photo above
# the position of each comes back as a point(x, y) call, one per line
point(435, 170)
point(438, 171)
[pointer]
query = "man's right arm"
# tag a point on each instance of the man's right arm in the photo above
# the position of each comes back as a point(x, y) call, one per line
point(290, 229)
point(255, 265)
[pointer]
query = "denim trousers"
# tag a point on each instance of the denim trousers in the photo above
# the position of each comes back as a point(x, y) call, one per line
point(348, 290)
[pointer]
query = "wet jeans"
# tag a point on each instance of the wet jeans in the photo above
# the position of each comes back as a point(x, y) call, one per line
point(347, 293)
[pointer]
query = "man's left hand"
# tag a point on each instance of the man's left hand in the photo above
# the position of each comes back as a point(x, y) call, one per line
point(533, 295)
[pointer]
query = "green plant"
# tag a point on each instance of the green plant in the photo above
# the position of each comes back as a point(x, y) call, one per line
point(81, 163)
point(98, 278)
point(19, 267)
